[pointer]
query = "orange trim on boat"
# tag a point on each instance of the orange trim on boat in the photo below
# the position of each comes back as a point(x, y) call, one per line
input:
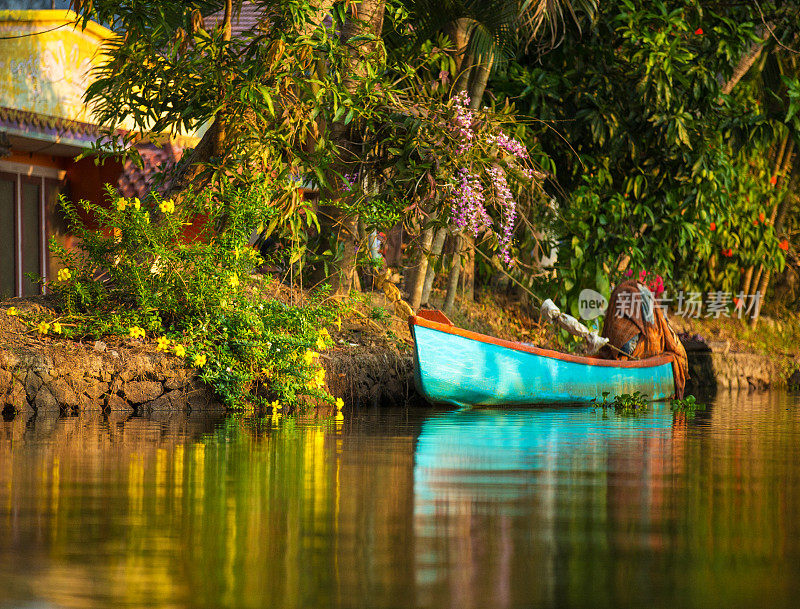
point(658, 360)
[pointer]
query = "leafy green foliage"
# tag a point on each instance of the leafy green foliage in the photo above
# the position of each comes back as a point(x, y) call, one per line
point(138, 275)
point(626, 404)
point(687, 405)
point(655, 167)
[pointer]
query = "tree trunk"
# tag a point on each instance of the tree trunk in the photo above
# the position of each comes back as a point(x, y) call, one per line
point(220, 118)
point(436, 253)
point(452, 278)
point(746, 62)
point(458, 32)
point(369, 20)
point(478, 85)
point(760, 282)
point(468, 270)
point(744, 287)
point(416, 285)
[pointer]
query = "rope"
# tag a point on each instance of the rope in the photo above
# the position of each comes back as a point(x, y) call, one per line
point(539, 300)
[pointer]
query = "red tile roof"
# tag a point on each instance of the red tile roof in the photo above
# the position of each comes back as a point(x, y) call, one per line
point(23, 120)
point(245, 20)
point(136, 181)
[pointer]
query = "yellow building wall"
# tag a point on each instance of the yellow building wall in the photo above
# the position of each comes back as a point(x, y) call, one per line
point(48, 72)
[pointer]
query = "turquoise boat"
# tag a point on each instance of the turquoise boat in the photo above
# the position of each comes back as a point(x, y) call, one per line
point(456, 366)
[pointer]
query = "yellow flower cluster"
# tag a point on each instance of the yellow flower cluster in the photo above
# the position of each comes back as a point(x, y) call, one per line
point(309, 356)
point(12, 311)
point(321, 339)
point(64, 274)
point(162, 343)
point(318, 382)
point(167, 206)
point(276, 405)
point(179, 350)
point(136, 203)
point(233, 281)
point(339, 403)
point(199, 360)
point(136, 332)
point(56, 327)
point(121, 204)
point(43, 327)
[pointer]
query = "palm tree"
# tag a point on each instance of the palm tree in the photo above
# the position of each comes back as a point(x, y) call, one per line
point(482, 33)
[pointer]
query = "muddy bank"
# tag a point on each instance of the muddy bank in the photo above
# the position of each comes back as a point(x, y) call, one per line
point(51, 375)
point(371, 365)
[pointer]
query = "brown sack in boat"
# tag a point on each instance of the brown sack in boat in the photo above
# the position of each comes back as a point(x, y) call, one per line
point(638, 327)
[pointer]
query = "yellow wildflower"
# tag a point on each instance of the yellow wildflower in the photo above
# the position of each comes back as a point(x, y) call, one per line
point(276, 405)
point(321, 343)
point(233, 281)
point(43, 327)
point(12, 311)
point(147, 216)
point(339, 404)
point(179, 350)
point(64, 274)
point(56, 327)
point(167, 206)
point(162, 343)
point(308, 357)
point(136, 203)
point(319, 378)
point(121, 204)
point(338, 323)
point(199, 360)
point(135, 332)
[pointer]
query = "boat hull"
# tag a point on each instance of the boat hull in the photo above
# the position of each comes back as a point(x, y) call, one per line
point(455, 366)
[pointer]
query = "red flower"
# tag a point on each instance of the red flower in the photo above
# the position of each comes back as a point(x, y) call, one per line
point(773, 180)
point(713, 226)
point(727, 253)
point(755, 222)
point(698, 32)
point(784, 245)
point(761, 217)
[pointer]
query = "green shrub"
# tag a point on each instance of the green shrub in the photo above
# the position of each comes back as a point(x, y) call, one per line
point(138, 275)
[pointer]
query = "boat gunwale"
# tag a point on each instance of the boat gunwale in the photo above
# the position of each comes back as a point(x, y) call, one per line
point(650, 362)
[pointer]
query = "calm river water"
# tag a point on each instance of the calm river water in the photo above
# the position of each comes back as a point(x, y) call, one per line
point(544, 507)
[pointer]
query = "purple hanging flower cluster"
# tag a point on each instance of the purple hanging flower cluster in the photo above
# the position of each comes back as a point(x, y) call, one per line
point(508, 211)
point(463, 120)
point(350, 179)
point(467, 204)
point(509, 144)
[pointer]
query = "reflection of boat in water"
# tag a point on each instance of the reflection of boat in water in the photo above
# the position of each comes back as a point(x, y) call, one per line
point(512, 507)
point(456, 366)
point(494, 454)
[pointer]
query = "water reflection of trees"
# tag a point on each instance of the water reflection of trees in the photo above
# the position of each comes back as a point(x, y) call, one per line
point(235, 512)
